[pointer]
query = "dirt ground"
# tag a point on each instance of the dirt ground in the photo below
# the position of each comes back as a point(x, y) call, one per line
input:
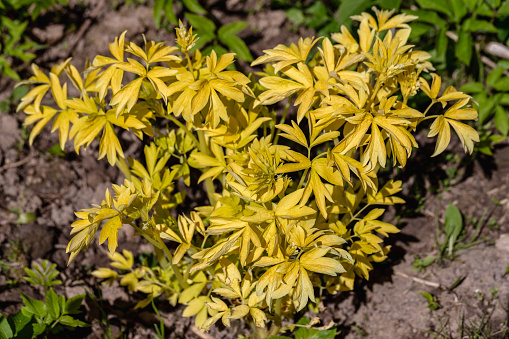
point(388, 306)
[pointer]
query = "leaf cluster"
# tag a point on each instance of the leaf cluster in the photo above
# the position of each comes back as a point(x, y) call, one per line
point(15, 17)
point(284, 221)
point(38, 318)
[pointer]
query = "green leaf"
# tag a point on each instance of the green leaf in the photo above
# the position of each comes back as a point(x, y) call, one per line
point(70, 321)
point(39, 328)
point(349, 8)
point(237, 45)
point(19, 92)
point(278, 337)
point(201, 23)
point(418, 29)
point(73, 304)
point(432, 303)
point(5, 328)
point(503, 10)
point(484, 10)
point(36, 307)
point(459, 10)
point(389, 4)
point(56, 150)
point(470, 3)
point(233, 28)
point(502, 85)
point(158, 12)
point(453, 226)
point(5, 69)
point(480, 26)
point(21, 324)
point(493, 77)
point(503, 64)
point(169, 13)
point(463, 49)
point(501, 120)
point(494, 3)
point(486, 105)
point(317, 15)
point(312, 333)
point(295, 16)
point(427, 16)
point(436, 5)
point(26, 218)
point(442, 42)
point(504, 99)
point(194, 6)
point(52, 304)
point(472, 87)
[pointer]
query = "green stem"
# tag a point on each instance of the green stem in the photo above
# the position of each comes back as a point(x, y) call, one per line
point(301, 182)
point(209, 185)
point(433, 101)
point(276, 325)
point(275, 136)
point(184, 128)
point(161, 245)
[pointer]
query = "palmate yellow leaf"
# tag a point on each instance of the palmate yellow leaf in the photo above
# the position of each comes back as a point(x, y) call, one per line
point(293, 133)
point(431, 92)
point(355, 137)
point(239, 312)
point(195, 306)
point(386, 196)
point(441, 127)
point(110, 145)
point(450, 94)
point(288, 206)
point(59, 92)
point(300, 162)
point(466, 134)
point(42, 117)
point(325, 137)
point(278, 89)
point(315, 261)
point(286, 56)
point(61, 122)
point(375, 153)
point(259, 317)
point(110, 232)
point(127, 96)
point(124, 261)
point(303, 290)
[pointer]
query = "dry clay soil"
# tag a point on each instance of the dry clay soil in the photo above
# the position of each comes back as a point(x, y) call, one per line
point(388, 306)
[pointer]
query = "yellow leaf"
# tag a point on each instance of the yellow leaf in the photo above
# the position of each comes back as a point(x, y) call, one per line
point(441, 127)
point(466, 134)
point(127, 96)
point(110, 232)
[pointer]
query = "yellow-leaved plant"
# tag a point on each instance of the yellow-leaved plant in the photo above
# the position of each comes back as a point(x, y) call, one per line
point(284, 221)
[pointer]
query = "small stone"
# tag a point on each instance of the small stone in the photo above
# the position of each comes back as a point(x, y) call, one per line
point(502, 243)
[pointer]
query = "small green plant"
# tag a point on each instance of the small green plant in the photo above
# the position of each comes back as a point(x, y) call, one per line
point(43, 275)
point(304, 329)
point(432, 301)
point(42, 319)
point(15, 16)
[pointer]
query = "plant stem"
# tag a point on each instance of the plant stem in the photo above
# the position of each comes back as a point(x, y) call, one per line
point(301, 182)
point(209, 185)
point(275, 136)
point(276, 325)
point(184, 128)
point(161, 245)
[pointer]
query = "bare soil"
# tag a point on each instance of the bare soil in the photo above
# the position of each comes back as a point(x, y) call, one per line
point(387, 306)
